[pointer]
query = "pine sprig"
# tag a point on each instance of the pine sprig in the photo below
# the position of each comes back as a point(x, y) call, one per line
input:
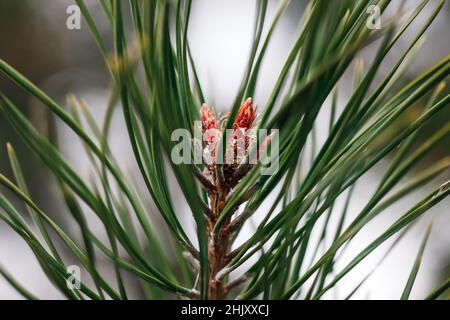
point(222, 198)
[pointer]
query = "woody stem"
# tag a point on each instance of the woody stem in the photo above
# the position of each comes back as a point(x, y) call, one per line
point(218, 248)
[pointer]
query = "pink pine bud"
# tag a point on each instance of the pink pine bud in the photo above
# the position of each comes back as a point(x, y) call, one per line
point(208, 118)
point(246, 115)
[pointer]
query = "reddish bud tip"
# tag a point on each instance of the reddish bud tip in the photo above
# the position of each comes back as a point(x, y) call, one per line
point(208, 118)
point(246, 115)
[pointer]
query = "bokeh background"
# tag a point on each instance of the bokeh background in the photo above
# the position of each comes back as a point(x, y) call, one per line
point(35, 40)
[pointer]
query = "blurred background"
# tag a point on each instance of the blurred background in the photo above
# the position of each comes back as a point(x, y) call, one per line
point(35, 40)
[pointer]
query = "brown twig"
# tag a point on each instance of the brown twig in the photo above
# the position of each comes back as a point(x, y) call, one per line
point(204, 181)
